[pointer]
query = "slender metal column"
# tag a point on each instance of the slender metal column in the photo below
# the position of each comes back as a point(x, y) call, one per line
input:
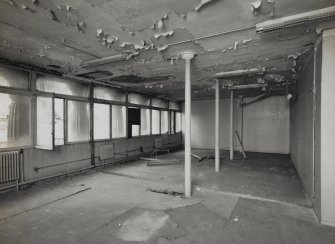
point(187, 56)
point(217, 126)
point(231, 124)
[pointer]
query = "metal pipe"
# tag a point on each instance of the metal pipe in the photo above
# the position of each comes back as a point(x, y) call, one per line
point(211, 35)
point(217, 128)
point(231, 125)
point(187, 56)
point(227, 74)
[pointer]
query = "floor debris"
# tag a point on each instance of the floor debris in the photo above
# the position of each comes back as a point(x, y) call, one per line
point(167, 192)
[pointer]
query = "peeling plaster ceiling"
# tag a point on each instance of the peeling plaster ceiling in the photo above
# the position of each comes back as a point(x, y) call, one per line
point(60, 34)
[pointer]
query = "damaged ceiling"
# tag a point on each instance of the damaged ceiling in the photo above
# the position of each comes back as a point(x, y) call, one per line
point(60, 35)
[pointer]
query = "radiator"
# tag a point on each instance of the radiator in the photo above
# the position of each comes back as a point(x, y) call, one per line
point(11, 167)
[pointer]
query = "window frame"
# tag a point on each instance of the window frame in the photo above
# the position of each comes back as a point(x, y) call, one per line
point(22, 92)
point(110, 123)
point(159, 122)
point(168, 122)
point(32, 93)
point(66, 139)
point(7, 90)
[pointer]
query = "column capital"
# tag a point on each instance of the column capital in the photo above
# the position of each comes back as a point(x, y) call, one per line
point(187, 55)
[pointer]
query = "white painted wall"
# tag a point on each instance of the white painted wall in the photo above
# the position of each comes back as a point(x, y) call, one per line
point(328, 128)
point(265, 125)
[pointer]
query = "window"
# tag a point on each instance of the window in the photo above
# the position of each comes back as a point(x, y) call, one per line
point(59, 121)
point(78, 121)
point(101, 121)
point(14, 120)
point(145, 121)
point(134, 122)
point(178, 122)
point(155, 122)
point(118, 121)
point(109, 94)
point(138, 99)
point(164, 122)
point(54, 84)
point(175, 106)
point(172, 122)
point(45, 122)
point(14, 78)
point(155, 102)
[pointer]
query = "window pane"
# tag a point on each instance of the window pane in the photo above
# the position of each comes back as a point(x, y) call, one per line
point(14, 120)
point(44, 122)
point(145, 121)
point(178, 122)
point(101, 121)
point(164, 122)
point(118, 121)
point(59, 121)
point(138, 99)
point(155, 122)
point(172, 113)
point(61, 86)
point(78, 121)
point(14, 78)
point(174, 105)
point(109, 94)
point(159, 103)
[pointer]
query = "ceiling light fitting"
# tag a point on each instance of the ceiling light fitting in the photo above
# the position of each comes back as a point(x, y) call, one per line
point(295, 20)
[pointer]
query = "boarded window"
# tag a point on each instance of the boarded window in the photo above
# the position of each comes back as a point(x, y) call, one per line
point(14, 120)
point(78, 121)
point(14, 78)
point(134, 122)
point(164, 122)
point(54, 84)
point(101, 121)
point(118, 121)
point(155, 122)
point(145, 121)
